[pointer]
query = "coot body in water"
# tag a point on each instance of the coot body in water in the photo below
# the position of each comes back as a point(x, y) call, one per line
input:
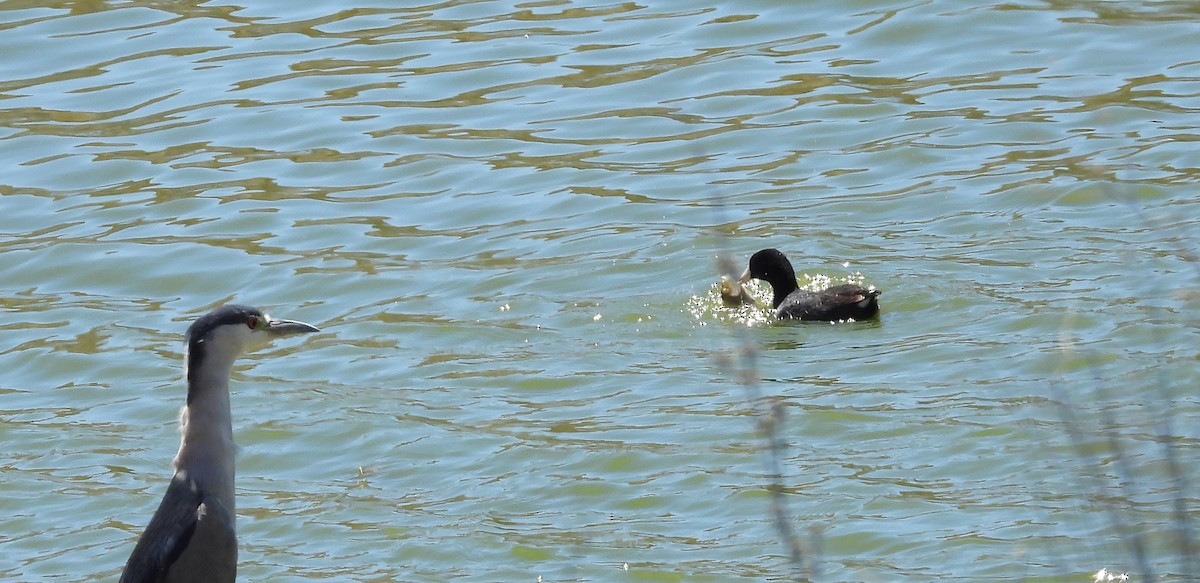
point(840, 302)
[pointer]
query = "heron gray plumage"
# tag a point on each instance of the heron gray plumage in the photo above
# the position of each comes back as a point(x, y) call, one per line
point(191, 536)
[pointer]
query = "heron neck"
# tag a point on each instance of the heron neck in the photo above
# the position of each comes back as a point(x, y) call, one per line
point(206, 449)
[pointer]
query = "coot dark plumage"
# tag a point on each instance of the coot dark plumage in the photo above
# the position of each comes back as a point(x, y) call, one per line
point(840, 302)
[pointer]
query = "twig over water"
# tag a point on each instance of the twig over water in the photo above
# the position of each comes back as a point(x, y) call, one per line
point(769, 416)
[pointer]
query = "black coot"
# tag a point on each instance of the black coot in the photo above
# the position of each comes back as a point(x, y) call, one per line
point(840, 302)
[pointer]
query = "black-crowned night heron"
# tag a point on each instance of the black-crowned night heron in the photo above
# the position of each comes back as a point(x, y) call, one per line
point(840, 302)
point(191, 536)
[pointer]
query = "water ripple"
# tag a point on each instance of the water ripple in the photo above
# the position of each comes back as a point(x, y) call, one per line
point(504, 218)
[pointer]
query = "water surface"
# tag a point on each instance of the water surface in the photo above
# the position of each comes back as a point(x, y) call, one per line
point(505, 219)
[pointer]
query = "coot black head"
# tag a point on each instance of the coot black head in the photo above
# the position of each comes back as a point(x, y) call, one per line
point(840, 302)
point(773, 267)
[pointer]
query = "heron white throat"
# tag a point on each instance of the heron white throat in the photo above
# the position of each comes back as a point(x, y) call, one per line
point(191, 536)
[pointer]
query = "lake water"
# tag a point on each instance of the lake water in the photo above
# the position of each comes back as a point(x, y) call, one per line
point(505, 217)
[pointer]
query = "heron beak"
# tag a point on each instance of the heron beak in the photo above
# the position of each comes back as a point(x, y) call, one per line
point(279, 328)
point(745, 276)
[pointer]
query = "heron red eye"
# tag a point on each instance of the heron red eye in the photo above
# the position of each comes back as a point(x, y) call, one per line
point(252, 322)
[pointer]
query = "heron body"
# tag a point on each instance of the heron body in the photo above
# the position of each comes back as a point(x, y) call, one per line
point(834, 304)
point(192, 536)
